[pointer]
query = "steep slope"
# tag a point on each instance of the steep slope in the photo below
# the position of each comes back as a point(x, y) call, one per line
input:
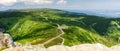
point(39, 25)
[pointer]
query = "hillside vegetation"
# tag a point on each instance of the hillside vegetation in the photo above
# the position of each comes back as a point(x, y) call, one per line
point(39, 25)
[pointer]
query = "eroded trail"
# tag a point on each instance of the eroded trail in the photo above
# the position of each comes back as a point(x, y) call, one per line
point(62, 32)
point(58, 36)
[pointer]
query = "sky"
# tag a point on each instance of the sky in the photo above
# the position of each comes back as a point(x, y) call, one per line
point(61, 4)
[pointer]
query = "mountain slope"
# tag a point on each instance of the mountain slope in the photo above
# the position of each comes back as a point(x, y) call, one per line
point(39, 25)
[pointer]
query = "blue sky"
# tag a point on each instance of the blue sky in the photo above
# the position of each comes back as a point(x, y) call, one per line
point(61, 4)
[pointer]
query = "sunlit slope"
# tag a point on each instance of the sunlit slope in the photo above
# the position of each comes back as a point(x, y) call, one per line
point(39, 25)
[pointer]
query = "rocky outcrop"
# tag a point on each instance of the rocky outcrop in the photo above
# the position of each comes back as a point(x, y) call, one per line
point(82, 47)
point(115, 48)
point(6, 40)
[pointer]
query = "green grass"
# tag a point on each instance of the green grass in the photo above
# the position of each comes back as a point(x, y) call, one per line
point(39, 25)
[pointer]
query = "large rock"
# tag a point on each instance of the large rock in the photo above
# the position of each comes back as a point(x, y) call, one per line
point(115, 48)
point(89, 47)
point(6, 40)
point(82, 47)
point(14, 49)
point(59, 48)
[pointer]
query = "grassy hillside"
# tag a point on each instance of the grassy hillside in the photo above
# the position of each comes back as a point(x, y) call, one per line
point(39, 25)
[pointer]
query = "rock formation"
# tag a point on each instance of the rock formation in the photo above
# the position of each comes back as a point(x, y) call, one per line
point(6, 40)
point(82, 47)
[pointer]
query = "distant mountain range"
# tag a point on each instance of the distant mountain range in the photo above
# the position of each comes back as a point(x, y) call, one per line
point(104, 13)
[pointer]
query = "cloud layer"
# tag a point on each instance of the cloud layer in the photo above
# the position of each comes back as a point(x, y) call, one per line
point(30, 2)
point(37, 1)
point(62, 2)
point(7, 2)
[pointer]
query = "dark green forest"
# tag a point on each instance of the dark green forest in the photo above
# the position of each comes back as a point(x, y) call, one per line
point(39, 25)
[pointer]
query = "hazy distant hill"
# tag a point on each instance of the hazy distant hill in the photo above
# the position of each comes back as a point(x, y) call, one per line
point(104, 13)
point(39, 25)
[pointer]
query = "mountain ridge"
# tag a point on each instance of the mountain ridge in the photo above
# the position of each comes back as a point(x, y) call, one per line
point(39, 25)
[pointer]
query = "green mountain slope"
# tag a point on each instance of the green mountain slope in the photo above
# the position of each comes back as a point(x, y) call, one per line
point(39, 25)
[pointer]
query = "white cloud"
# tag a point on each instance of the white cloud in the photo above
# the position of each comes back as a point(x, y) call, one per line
point(37, 1)
point(31, 2)
point(62, 2)
point(7, 2)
